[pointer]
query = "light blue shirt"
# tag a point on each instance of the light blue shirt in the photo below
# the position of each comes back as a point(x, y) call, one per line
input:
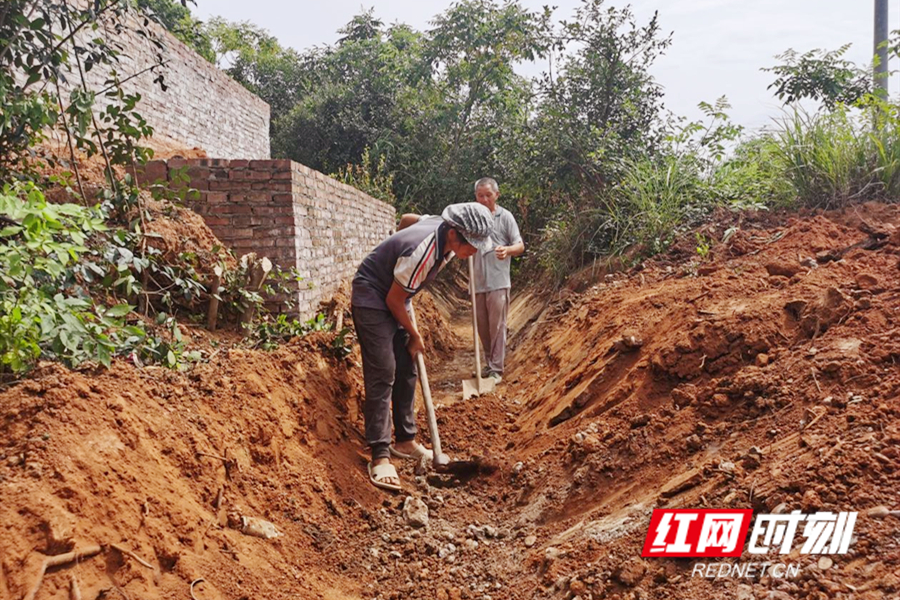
point(491, 273)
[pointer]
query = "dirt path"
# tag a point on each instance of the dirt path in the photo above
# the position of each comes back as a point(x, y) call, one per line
point(473, 546)
point(446, 376)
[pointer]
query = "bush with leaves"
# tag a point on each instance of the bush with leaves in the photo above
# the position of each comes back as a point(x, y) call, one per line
point(45, 308)
point(820, 75)
point(272, 330)
point(373, 179)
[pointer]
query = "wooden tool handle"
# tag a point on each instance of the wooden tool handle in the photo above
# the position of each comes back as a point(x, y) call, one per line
point(475, 323)
point(426, 394)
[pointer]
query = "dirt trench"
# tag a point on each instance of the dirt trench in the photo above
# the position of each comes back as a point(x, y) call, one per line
point(761, 376)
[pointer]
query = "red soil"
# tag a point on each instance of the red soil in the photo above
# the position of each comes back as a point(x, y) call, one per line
point(648, 389)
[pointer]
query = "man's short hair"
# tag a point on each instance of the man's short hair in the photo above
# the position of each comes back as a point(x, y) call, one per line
point(487, 182)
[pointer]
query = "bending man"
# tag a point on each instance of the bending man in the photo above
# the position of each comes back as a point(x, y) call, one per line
point(384, 283)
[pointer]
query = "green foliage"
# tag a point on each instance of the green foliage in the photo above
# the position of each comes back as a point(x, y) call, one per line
point(254, 58)
point(374, 180)
point(272, 331)
point(838, 157)
point(28, 47)
point(175, 16)
point(654, 197)
point(753, 177)
point(168, 350)
point(819, 75)
point(703, 246)
point(45, 310)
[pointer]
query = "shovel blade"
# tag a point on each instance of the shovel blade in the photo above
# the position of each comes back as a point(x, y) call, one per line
point(470, 387)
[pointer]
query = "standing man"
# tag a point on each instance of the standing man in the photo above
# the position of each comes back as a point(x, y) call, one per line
point(492, 280)
point(389, 276)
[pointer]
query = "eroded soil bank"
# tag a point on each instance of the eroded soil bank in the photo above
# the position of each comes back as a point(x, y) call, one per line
point(761, 376)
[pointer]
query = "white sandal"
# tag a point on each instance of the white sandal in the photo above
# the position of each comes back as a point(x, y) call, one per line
point(378, 474)
point(417, 454)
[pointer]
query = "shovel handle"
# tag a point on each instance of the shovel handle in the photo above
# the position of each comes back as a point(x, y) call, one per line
point(475, 323)
point(426, 394)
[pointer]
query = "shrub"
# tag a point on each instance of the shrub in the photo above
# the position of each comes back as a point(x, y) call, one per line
point(44, 307)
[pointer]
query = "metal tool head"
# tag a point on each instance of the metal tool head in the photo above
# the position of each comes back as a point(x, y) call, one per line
point(472, 389)
point(466, 469)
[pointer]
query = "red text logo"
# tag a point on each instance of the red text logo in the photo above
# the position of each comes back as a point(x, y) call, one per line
point(697, 532)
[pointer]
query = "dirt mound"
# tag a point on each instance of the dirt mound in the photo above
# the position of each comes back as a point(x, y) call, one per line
point(760, 374)
point(757, 376)
point(141, 458)
point(181, 234)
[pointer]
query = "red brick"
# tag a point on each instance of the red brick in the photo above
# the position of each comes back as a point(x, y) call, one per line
point(235, 209)
point(274, 186)
point(250, 198)
point(153, 172)
point(238, 164)
point(215, 197)
point(198, 172)
point(216, 221)
point(262, 164)
point(270, 210)
point(223, 186)
point(276, 233)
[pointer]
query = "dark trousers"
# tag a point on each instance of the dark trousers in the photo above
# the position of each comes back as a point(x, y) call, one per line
point(390, 379)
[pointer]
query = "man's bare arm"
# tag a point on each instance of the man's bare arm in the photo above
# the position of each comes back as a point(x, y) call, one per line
point(396, 303)
point(407, 220)
point(504, 252)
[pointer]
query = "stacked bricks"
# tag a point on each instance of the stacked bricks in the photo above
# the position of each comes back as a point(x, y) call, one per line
point(202, 107)
point(281, 209)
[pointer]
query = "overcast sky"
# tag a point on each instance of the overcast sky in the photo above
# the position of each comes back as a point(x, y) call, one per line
point(718, 45)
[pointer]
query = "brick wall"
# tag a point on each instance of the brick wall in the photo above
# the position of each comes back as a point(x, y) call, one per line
point(202, 107)
point(286, 211)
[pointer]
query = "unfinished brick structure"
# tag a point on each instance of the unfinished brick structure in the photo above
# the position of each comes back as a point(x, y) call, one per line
point(202, 106)
point(286, 211)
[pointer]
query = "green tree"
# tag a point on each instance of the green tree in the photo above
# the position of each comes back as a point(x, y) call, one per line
point(353, 99)
point(599, 107)
point(254, 58)
point(820, 75)
point(175, 16)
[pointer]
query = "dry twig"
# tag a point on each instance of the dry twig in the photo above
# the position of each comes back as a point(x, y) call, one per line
point(59, 560)
point(132, 555)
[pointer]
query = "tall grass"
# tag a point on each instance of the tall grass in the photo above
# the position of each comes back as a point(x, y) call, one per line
point(824, 160)
point(836, 158)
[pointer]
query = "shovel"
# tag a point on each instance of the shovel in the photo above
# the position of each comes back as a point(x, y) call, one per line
point(442, 462)
point(476, 386)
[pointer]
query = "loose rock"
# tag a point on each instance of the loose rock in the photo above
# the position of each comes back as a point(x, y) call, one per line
point(631, 572)
point(415, 512)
